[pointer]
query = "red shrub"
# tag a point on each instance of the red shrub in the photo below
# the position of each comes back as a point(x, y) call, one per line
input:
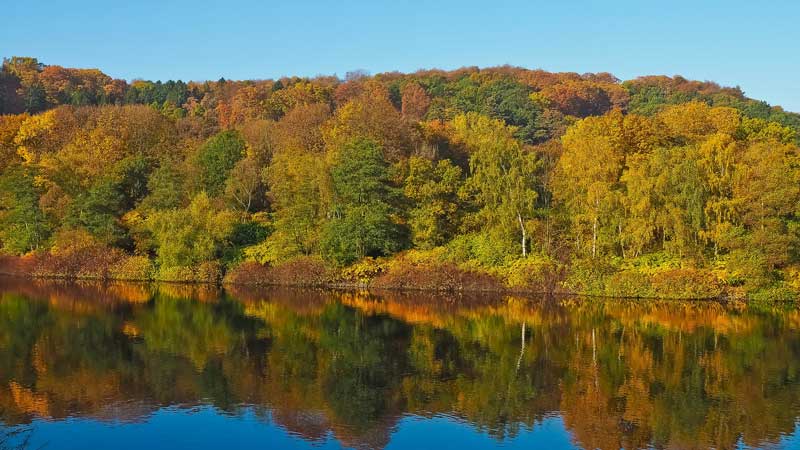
point(303, 271)
point(444, 277)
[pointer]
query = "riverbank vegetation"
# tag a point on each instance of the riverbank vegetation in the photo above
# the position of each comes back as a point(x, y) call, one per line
point(499, 178)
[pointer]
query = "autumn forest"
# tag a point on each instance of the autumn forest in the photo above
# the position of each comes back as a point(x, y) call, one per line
point(500, 178)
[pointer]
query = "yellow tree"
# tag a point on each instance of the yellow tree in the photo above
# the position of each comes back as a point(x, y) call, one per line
point(587, 180)
point(502, 174)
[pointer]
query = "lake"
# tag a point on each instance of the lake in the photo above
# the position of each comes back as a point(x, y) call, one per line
point(127, 366)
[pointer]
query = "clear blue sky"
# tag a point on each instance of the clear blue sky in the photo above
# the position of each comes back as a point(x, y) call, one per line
point(747, 43)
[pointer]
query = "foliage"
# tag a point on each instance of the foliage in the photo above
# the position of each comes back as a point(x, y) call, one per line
point(190, 236)
point(23, 225)
point(657, 186)
point(364, 221)
point(216, 158)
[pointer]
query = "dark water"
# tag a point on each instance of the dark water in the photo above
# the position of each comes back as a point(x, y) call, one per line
point(128, 366)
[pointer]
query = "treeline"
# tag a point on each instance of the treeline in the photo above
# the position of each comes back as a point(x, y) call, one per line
point(515, 178)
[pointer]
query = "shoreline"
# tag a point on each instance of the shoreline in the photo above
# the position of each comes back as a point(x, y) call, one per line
point(366, 286)
point(397, 275)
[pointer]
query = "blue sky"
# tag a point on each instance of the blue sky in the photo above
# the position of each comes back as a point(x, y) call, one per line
point(746, 43)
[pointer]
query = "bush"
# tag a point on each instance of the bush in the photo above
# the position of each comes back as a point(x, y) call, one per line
point(403, 274)
point(535, 273)
point(208, 272)
point(687, 284)
point(363, 271)
point(488, 249)
point(589, 276)
point(181, 274)
point(774, 294)
point(629, 283)
point(133, 268)
point(301, 271)
point(91, 262)
point(250, 273)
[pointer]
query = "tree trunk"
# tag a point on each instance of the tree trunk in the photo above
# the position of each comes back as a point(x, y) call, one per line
point(524, 235)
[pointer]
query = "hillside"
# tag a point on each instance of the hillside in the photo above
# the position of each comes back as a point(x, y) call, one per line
point(497, 178)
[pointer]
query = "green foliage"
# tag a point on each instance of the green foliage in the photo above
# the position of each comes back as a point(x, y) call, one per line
point(23, 225)
point(297, 183)
point(434, 187)
point(165, 188)
point(363, 222)
point(190, 236)
point(657, 186)
point(502, 177)
point(243, 235)
point(135, 268)
point(217, 157)
point(97, 211)
point(535, 272)
point(489, 248)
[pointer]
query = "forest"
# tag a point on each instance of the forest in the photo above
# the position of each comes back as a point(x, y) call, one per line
point(476, 178)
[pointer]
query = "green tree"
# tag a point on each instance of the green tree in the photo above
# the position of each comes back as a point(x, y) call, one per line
point(97, 210)
point(166, 188)
point(364, 219)
point(192, 235)
point(217, 157)
point(23, 225)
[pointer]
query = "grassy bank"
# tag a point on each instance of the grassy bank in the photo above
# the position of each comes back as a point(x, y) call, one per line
point(415, 270)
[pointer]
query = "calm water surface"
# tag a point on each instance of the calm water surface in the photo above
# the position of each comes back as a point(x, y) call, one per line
point(127, 366)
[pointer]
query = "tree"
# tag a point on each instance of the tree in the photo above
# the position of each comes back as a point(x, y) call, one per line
point(371, 116)
point(433, 187)
point(188, 236)
point(296, 184)
point(364, 217)
point(165, 187)
point(588, 176)
point(23, 225)
point(217, 157)
point(415, 101)
point(243, 187)
point(9, 125)
point(97, 210)
point(502, 174)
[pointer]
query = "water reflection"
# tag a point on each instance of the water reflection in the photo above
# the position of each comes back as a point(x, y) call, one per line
point(365, 370)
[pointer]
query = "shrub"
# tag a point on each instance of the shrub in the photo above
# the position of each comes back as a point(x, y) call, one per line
point(537, 273)
point(208, 272)
point(134, 268)
point(629, 283)
point(182, 274)
point(301, 271)
point(589, 276)
point(791, 276)
point(363, 271)
point(442, 277)
point(774, 294)
point(488, 249)
point(249, 272)
point(686, 283)
point(89, 262)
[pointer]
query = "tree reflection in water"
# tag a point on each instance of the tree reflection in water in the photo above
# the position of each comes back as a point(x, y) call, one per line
point(619, 373)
